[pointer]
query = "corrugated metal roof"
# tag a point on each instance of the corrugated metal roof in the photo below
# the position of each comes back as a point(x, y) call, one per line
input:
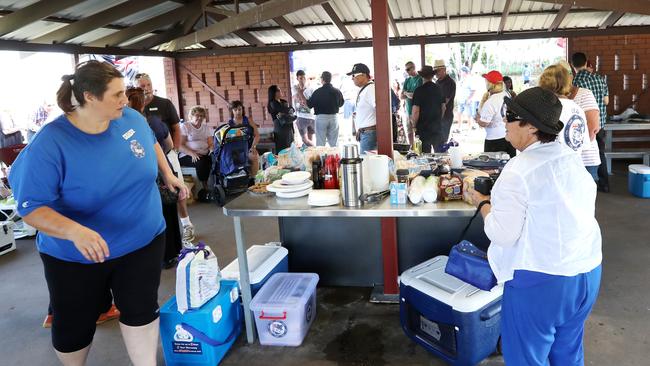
point(414, 18)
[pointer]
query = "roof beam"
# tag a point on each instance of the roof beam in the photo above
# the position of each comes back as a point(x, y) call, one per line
point(33, 13)
point(98, 20)
point(260, 13)
point(393, 25)
point(219, 11)
point(612, 19)
point(504, 16)
point(564, 10)
point(9, 45)
point(144, 27)
point(286, 26)
point(243, 34)
point(337, 21)
point(626, 6)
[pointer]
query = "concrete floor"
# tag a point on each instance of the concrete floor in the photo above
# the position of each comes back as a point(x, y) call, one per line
point(348, 329)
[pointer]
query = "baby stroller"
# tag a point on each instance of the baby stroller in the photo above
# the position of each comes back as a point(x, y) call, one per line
point(230, 161)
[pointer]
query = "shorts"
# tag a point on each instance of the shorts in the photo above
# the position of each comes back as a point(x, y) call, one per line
point(78, 293)
point(305, 126)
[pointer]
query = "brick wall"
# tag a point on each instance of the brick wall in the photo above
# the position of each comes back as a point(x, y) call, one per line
point(620, 58)
point(244, 77)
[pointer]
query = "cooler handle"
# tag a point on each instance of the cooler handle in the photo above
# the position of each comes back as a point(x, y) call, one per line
point(490, 312)
point(205, 338)
point(266, 317)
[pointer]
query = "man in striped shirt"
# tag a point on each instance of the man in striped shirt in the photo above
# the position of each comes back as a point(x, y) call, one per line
point(598, 87)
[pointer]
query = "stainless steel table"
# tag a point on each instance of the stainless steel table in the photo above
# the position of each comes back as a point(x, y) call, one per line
point(248, 205)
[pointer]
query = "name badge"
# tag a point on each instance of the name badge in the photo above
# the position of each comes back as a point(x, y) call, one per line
point(128, 134)
point(152, 109)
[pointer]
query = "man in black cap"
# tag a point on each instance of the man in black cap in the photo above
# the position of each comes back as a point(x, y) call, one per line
point(326, 102)
point(545, 240)
point(426, 115)
point(364, 120)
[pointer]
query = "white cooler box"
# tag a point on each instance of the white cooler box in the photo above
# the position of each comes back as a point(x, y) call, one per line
point(285, 308)
point(263, 262)
point(7, 240)
point(448, 317)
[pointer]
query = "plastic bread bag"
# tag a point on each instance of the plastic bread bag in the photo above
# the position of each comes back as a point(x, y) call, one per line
point(416, 189)
point(430, 191)
point(197, 277)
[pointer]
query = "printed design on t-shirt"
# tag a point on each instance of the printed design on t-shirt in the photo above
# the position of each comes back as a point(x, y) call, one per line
point(137, 149)
point(574, 132)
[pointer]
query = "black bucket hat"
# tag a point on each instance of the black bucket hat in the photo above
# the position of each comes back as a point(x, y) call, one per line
point(540, 107)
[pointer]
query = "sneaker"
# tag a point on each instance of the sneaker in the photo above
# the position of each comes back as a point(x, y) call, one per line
point(111, 314)
point(188, 233)
point(47, 323)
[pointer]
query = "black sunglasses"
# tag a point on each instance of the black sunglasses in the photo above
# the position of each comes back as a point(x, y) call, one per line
point(141, 75)
point(512, 116)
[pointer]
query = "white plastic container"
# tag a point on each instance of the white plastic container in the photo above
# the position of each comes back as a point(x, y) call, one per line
point(263, 261)
point(285, 308)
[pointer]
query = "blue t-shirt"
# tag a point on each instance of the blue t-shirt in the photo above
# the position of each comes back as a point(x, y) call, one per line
point(106, 182)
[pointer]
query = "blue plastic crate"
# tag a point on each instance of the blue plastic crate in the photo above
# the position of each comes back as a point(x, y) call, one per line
point(202, 336)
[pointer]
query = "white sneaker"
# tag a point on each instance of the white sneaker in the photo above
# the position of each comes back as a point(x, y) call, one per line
point(188, 233)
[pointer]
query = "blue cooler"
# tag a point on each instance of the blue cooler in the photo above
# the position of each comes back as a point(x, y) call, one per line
point(448, 317)
point(638, 180)
point(202, 336)
point(263, 262)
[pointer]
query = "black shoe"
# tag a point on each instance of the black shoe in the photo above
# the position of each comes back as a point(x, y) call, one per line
point(603, 188)
point(169, 264)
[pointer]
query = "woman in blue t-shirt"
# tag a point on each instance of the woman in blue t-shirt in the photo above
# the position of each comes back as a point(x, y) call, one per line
point(83, 182)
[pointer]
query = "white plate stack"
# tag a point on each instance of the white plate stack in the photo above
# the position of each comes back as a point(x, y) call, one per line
point(292, 185)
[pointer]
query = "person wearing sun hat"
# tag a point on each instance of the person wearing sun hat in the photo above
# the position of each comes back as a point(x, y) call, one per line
point(492, 115)
point(426, 116)
point(448, 88)
point(545, 241)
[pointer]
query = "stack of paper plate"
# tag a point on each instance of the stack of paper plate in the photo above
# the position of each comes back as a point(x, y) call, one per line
point(324, 197)
point(292, 185)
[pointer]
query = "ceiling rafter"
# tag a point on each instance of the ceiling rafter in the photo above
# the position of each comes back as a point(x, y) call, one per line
point(393, 25)
point(98, 20)
point(32, 13)
point(337, 21)
point(614, 17)
point(504, 17)
point(561, 14)
point(242, 33)
point(626, 6)
point(286, 26)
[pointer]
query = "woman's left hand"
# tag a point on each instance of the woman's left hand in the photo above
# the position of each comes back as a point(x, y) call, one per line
point(173, 183)
point(477, 197)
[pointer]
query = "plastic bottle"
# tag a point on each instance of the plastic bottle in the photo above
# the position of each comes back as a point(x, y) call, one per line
point(417, 145)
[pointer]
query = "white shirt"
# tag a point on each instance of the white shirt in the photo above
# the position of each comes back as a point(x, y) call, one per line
point(586, 100)
point(574, 134)
point(197, 138)
point(542, 217)
point(494, 112)
point(302, 111)
point(365, 113)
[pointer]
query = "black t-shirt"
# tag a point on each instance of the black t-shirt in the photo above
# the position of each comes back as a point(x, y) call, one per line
point(163, 109)
point(326, 100)
point(428, 97)
point(448, 89)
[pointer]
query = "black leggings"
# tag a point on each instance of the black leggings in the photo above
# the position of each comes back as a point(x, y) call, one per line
point(173, 239)
point(203, 165)
point(78, 293)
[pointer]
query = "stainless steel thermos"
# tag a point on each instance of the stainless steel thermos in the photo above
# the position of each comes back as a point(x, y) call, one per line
point(351, 176)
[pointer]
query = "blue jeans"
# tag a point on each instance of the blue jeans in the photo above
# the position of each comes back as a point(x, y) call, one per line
point(593, 170)
point(327, 129)
point(368, 141)
point(543, 317)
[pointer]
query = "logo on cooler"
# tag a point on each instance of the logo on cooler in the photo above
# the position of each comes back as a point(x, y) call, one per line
point(181, 335)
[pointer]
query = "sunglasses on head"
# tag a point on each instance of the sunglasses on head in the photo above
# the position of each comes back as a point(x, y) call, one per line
point(141, 75)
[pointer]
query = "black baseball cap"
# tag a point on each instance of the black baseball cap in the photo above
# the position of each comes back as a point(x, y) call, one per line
point(359, 69)
point(540, 107)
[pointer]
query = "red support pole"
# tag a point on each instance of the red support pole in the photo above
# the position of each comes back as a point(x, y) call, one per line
point(380, 23)
point(422, 53)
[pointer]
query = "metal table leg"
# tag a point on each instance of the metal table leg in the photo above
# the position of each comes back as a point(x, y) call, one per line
point(244, 279)
point(608, 148)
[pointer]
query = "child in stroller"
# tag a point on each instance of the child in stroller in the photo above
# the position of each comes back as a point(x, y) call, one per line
point(235, 154)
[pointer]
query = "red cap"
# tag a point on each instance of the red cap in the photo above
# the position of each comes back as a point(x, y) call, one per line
point(493, 77)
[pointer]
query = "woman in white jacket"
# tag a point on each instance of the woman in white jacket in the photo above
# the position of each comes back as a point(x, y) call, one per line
point(545, 241)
